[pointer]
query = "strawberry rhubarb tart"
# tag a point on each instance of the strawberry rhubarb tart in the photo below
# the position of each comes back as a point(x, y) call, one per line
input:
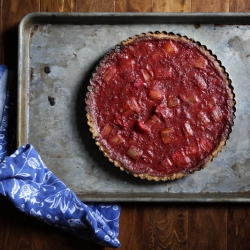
point(160, 106)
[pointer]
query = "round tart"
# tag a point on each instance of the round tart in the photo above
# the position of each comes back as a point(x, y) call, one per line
point(160, 106)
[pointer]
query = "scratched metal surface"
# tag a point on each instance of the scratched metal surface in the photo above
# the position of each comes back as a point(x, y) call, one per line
point(71, 50)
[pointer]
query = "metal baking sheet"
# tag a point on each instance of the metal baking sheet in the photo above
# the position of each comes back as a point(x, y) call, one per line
point(70, 45)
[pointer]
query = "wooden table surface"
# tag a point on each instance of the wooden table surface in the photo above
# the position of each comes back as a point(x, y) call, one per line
point(142, 225)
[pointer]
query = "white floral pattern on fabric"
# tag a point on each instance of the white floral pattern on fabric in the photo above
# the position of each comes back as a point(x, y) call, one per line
point(66, 200)
point(36, 191)
point(34, 163)
point(28, 193)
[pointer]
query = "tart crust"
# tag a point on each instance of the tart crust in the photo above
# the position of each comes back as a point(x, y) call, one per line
point(159, 36)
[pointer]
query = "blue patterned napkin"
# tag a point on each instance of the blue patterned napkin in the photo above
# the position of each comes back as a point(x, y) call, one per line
point(36, 191)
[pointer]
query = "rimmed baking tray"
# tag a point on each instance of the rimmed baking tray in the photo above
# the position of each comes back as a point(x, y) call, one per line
point(57, 54)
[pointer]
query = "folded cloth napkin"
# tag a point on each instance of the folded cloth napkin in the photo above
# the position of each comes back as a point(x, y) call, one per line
point(36, 191)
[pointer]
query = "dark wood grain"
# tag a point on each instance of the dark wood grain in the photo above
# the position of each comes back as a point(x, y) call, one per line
point(172, 6)
point(11, 13)
point(133, 6)
point(95, 5)
point(207, 226)
point(169, 227)
point(134, 223)
point(50, 238)
point(21, 232)
point(238, 236)
point(15, 228)
point(210, 6)
point(143, 226)
point(58, 5)
point(239, 6)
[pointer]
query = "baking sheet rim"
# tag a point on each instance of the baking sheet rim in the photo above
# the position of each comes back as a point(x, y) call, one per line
point(23, 115)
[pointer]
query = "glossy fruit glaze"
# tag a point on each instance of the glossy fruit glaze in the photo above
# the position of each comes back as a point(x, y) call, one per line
point(160, 106)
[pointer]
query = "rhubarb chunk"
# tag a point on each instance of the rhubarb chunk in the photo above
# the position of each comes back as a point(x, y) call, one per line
point(212, 102)
point(192, 149)
point(133, 153)
point(200, 82)
point(169, 47)
point(204, 118)
point(154, 120)
point(115, 139)
point(138, 83)
point(109, 74)
point(146, 75)
point(127, 110)
point(204, 145)
point(216, 114)
point(126, 68)
point(173, 101)
point(199, 62)
point(187, 129)
point(166, 72)
point(164, 111)
point(158, 55)
point(106, 130)
point(131, 105)
point(127, 63)
point(167, 163)
point(192, 98)
point(180, 159)
point(155, 95)
point(168, 135)
point(120, 121)
point(142, 127)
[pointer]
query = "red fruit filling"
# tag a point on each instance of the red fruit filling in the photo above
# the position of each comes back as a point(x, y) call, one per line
point(161, 106)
